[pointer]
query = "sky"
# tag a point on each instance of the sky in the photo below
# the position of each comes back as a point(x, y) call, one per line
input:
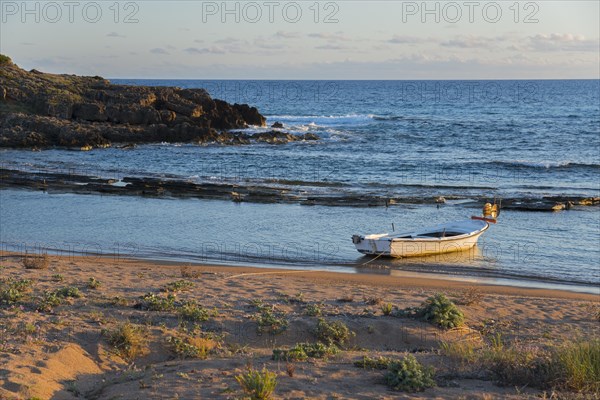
point(348, 39)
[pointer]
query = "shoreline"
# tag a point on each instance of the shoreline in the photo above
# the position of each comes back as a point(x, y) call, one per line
point(397, 278)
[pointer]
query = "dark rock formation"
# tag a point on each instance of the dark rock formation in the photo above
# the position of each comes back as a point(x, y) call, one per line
point(40, 110)
point(277, 125)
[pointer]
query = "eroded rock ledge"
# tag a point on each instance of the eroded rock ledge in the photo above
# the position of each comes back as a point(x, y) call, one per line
point(40, 110)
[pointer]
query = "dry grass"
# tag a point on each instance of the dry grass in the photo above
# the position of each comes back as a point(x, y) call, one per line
point(36, 262)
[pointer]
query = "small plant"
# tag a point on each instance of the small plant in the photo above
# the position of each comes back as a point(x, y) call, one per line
point(128, 340)
point(93, 283)
point(438, 310)
point(48, 302)
point(58, 278)
point(259, 385)
point(36, 262)
point(335, 332)
point(303, 351)
point(408, 375)
point(579, 365)
point(5, 60)
point(69, 291)
point(313, 310)
point(387, 308)
point(152, 302)
point(11, 291)
point(290, 369)
point(177, 286)
point(374, 363)
point(192, 347)
point(270, 321)
point(192, 311)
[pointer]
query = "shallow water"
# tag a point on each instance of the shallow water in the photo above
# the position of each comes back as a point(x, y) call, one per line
point(417, 139)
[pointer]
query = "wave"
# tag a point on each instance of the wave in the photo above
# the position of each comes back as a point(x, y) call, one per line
point(321, 120)
point(544, 164)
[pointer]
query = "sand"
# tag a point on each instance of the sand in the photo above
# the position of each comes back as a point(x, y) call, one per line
point(65, 354)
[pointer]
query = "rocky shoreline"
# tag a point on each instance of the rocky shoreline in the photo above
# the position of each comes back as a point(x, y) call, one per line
point(259, 193)
point(40, 110)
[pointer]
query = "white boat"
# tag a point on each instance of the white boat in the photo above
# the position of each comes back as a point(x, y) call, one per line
point(444, 238)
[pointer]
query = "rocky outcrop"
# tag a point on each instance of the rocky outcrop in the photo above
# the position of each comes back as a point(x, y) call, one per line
point(41, 110)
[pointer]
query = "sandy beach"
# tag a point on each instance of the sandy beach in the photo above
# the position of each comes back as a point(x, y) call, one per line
point(64, 351)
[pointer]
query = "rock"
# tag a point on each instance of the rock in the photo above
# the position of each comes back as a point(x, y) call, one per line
point(77, 111)
point(440, 200)
point(277, 125)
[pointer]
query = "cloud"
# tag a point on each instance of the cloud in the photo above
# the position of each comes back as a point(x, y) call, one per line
point(27, 44)
point(562, 42)
point(474, 42)
point(331, 46)
point(158, 50)
point(286, 35)
point(205, 50)
point(334, 37)
point(403, 39)
point(115, 35)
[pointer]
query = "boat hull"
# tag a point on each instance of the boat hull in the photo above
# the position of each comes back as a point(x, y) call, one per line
point(389, 246)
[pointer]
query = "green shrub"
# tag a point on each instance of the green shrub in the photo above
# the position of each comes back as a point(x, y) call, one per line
point(192, 347)
point(441, 311)
point(335, 332)
point(408, 375)
point(93, 283)
point(128, 340)
point(69, 291)
point(192, 311)
point(374, 363)
point(303, 351)
point(579, 365)
point(270, 321)
point(48, 301)
point(152, 302)
point(387, 308)
point(11, 291)
point(313, 310)
point(178, 286)
point(58, 278)
point(520, 365)
point(259, 385)
point(5, 60)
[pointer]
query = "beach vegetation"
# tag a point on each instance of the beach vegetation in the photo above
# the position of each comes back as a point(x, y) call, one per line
point(58, 277)
point(177, 286)
point(69, 291)
point(188, 272)
point(93, 283)
point(191, 346)
point(192, 311)
point(387, 308)
point(270, 321)
point(379, 363)
point(408, 375)
point(128, 340)
point(12, 291)
point(304, 351)
point(41, 261)
point(313, 310)
point(437, 309)
point(349, 298)
point(258, 384)
point(153, 302)
point(48, 301)
point(5, 60)
point(334, 332)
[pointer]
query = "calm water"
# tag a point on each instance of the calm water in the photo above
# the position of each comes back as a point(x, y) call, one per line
point(422, 139)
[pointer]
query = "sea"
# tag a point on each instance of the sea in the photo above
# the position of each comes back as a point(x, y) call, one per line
point(419, 140)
